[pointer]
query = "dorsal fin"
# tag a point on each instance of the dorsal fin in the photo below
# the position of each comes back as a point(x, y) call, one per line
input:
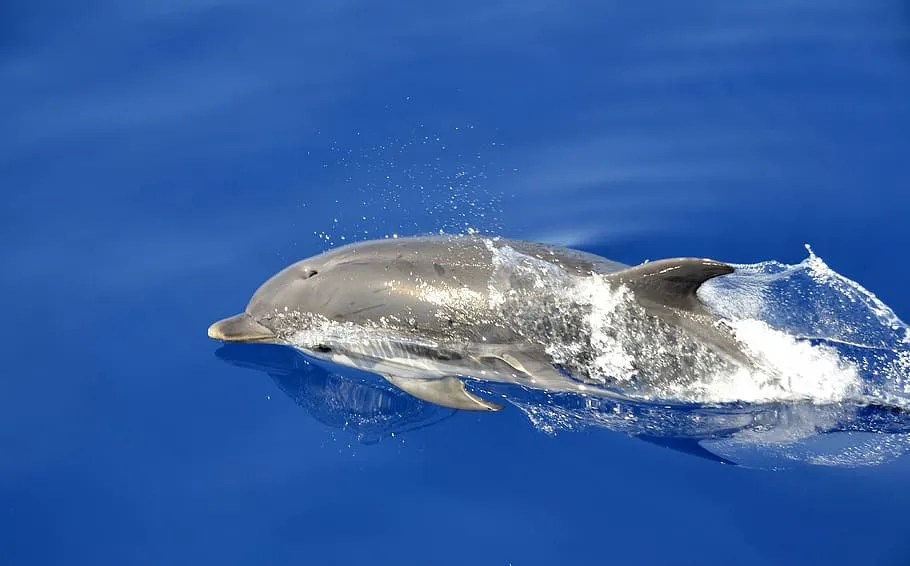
point(671, 282)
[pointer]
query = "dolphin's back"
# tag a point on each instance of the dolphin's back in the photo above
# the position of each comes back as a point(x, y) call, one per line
point(429, 284)
point(574, 261)
point(466, 252)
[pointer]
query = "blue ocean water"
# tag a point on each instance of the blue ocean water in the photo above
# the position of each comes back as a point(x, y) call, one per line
point(159, 160)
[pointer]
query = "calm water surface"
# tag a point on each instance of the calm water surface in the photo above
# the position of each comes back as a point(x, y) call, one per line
point(160, 159)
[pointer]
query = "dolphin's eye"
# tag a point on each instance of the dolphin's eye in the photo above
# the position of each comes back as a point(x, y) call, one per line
point(307, 273)
point(322, 348)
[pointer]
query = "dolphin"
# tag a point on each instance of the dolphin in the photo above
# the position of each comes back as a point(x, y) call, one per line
point(426, 312)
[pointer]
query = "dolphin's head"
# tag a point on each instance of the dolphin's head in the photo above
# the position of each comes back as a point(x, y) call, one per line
point(286, 290)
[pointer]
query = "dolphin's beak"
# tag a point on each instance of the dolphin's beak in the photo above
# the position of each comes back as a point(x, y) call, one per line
point(240, 328)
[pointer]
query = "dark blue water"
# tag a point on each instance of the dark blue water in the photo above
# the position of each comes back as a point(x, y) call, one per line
point(159, 160)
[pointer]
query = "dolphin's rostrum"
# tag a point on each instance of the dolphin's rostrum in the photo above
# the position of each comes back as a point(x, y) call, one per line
point(425, 312)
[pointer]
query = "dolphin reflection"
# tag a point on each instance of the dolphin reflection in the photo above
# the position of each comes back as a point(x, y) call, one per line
point(369, 411)
point(770, 436)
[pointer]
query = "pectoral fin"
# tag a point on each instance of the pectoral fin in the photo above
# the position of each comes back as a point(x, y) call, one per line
point(671, 282)
point(446, 391)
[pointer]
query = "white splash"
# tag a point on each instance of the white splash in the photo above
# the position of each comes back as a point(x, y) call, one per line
point(610, 357)
point(820, 328)
point(794, 321)
point(790, 370)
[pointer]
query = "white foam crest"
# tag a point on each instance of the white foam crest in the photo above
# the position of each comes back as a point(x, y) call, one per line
point(789, 370)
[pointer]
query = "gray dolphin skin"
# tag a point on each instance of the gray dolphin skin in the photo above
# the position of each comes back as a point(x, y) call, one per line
point(427, 312)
